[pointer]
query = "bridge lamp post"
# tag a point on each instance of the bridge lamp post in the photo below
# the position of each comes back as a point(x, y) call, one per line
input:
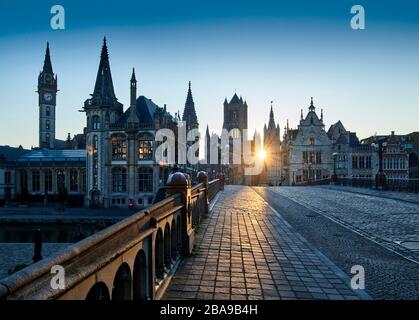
point(334, 176)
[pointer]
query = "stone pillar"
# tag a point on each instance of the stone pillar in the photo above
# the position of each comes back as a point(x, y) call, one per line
point(202, 177)
point(180, 183)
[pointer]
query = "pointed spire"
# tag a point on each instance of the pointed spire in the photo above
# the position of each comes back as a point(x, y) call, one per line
point(271, 124)
point(133, 79)
point(189, 113)
point(47, 62)
point(207, 133)
point(104, 92)
point(311, 108)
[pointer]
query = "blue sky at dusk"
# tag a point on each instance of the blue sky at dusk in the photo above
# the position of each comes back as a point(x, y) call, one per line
point(285, 51)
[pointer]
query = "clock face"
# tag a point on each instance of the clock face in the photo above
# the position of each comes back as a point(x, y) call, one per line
point(48, 97)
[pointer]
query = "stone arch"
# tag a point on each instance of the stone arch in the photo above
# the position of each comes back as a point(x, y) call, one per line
point(159, 254)
point(99, 292)
point(179, 233)
point(122, 289)
point(173, 240)
point(140, 277)
point(167, 246)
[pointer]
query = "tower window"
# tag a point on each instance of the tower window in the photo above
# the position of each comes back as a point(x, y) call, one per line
point(47, 125)
point(95, 123)
point(48, 112)
point(312, 142)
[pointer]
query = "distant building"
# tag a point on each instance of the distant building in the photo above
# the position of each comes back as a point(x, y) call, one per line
point(395, 159)
point(308, 150)
point(121, 144)
point(235, 122)
point(272, 147)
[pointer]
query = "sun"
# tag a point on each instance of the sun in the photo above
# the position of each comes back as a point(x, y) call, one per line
point(262, 154)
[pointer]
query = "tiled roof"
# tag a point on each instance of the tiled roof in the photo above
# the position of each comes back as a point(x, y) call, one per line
point(55, 155)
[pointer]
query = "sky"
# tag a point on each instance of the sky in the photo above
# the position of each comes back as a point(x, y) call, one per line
point(280, 51)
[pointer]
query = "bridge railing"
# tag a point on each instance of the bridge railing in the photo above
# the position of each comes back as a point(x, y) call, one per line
point(132, 259)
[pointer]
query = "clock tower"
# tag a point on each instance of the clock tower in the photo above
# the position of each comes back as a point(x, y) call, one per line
point(47, 92)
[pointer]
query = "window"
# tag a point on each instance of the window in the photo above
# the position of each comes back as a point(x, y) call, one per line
point(7, 178)
point(48, 112)
point(234, 115)
point(23, 180)
point(312, 142)
point(318, 157)
point(235, 133)
point(47, 125)
point(60, 179)
point(83, 181)
point(119, 180)
point(36, 181)
point(47, 138)
point(48, 181)
point(119, 147)
point(145, 179)
point(95, 123)
point(355, 162)
point(145, 150)
point(361, 162)
point(368, 164)
point(95, 162)
point(74, 185)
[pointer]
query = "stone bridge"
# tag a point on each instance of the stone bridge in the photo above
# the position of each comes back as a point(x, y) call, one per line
point(132, 259)
point(254, 243)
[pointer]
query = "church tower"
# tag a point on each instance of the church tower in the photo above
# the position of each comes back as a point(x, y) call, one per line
point(189, 113)
point(102, 110)
point(47, 93)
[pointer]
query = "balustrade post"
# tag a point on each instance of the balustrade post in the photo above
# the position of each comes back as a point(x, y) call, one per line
point(181, 183)
point(202, 177)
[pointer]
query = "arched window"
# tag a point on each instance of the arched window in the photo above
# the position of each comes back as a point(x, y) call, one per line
point(235, 133)
point(145, 179)
point(119, 147)
point(60, 179)
point(48, 180)
point(119, 180)
point(74, 181)
point(145, 146)
point(23, 180)
point(145, 150)
point(95, 122)
point(36, 181)
point(95, 162)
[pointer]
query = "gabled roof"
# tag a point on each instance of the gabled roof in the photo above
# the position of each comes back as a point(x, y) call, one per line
point(144, 108)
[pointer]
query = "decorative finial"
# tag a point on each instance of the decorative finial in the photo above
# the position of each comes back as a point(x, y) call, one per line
point(189, 85)
point(321, 114)
point(311, 104)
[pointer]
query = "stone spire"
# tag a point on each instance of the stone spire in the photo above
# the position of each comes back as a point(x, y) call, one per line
point(311, 107)
point(189, 113)
point(133, 88)
point(104, 93)
point(47, 62)
point(271, 124)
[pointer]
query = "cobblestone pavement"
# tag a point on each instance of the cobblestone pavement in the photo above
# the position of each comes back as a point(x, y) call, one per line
point(246, 250)
point(347, 228)
point(388, 221)
point(12, 254)
point(402, 196)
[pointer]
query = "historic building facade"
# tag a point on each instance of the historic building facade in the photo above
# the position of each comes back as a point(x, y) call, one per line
point(272, 145)
point(308, 150)
point(121, 146)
